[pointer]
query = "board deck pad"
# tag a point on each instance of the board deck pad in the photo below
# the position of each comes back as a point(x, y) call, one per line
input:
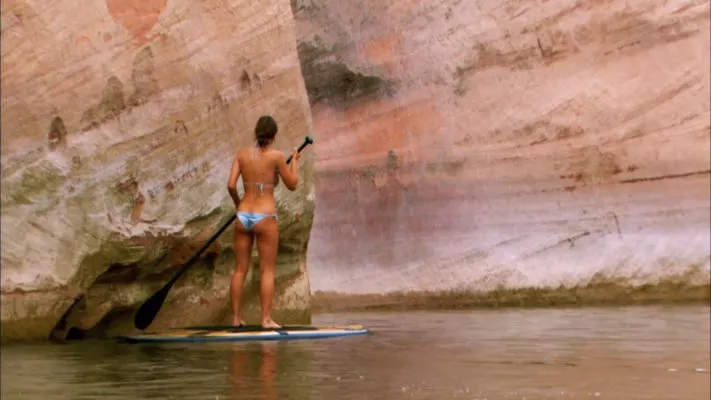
point(244, 333)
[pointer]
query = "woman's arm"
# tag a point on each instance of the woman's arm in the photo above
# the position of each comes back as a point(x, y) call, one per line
point(232, 182)
point(289, 173)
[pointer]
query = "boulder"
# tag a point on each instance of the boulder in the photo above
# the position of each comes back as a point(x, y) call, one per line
point(119, 122)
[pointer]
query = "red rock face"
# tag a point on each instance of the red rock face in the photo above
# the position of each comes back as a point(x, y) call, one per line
point(467, 146)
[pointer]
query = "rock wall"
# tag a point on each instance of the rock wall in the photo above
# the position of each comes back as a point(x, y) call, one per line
point(470, 146)
point(119, 122)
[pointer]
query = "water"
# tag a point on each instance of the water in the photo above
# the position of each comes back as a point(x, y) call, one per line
point(621, 353)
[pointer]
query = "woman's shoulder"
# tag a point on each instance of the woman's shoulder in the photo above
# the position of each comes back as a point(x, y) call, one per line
point(243, 152)
point(274, 154)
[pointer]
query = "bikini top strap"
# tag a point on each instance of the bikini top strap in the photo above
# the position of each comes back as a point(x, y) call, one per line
point(259, 185)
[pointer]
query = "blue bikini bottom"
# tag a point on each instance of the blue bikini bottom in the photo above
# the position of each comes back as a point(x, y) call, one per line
point(249, 219)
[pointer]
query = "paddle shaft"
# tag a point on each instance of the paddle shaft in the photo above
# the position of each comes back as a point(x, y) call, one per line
point(147, 312)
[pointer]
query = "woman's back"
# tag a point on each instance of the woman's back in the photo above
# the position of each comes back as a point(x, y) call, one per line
point(258, 168)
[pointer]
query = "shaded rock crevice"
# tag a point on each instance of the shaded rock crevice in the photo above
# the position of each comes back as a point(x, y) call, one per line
point(127, 270)
point(117, 279)
point(57, 137)
point(333, 81)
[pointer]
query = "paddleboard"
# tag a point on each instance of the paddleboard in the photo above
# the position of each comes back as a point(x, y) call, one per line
point(244, 333)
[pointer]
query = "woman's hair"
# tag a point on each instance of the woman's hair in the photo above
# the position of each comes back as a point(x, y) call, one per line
point(265, 130)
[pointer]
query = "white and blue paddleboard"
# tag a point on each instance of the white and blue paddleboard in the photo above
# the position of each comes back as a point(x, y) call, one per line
point(244, 333)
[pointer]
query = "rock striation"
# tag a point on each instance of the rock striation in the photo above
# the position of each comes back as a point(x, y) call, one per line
point(477, 146)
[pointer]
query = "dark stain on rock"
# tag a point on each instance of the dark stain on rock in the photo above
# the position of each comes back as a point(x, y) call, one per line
point(298, 6)
point(257, 79)
point(128, 187)
point(515, 59)
point(180, 128)
point(663, 177)
point(630, 32)
point(554, 44)
point(393, 162)
point(145, 85)
point(57, 134)
point(569, 241)
point(545, 46)
point(543, 131)
point(245, 83)
point(617, 224)
point(451, 168)
point(217, 103)
point(333, 81)
point(138, 205)
point(448, 14)
point(566, 132)
point(595, 167)
point(111, 105)
point(368, 173)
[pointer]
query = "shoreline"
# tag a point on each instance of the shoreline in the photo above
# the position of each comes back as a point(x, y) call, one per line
point(594, 295)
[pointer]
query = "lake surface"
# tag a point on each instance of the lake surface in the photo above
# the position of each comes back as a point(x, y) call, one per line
point(613, 353)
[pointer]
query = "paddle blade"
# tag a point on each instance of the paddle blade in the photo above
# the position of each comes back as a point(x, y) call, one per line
point(148, 311)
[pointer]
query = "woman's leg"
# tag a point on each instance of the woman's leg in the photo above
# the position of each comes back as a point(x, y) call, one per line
point(267, 232)
point(243, 256)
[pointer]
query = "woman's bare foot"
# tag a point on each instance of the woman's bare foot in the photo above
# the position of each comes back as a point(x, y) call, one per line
point(269, 323)
point(237, 321)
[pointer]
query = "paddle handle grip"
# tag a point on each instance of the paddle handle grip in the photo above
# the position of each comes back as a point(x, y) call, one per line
point(307, 141)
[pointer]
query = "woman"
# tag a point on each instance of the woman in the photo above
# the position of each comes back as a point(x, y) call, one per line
point(260, 167)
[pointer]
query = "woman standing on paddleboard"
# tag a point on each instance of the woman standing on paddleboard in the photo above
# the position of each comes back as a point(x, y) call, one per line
point(260, 166)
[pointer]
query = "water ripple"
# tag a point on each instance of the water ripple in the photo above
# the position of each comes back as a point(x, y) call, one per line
point(626, 353)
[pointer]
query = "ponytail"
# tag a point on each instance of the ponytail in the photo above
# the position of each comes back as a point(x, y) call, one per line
point(266, 130)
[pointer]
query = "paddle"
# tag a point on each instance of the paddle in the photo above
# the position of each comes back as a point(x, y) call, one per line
point(148, 310)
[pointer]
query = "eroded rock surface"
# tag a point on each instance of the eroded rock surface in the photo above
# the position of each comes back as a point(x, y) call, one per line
point(119, 121)
point(467, 146)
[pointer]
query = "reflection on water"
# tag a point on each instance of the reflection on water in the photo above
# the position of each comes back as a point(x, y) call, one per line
point(629, 353)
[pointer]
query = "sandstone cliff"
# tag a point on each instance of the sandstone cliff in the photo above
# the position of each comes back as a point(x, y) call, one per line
point(477, 145)
point(119, 121)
